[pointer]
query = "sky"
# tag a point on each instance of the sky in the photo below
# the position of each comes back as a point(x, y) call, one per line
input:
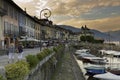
point(103, 15)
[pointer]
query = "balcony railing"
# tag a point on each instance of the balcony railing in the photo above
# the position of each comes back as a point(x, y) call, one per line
point(10, 33)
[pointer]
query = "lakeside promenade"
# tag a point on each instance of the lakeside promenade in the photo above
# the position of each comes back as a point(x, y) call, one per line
point(68, 67)
point(4, 59)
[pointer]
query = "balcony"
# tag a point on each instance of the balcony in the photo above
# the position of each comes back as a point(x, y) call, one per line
point(2, 12)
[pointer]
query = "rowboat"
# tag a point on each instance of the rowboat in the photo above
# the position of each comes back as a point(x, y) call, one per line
point(92, 70)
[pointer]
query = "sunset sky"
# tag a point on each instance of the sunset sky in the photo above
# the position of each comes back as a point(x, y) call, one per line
point(103, 15)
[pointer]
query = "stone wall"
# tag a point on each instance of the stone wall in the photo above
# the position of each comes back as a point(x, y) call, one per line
point(46, 67)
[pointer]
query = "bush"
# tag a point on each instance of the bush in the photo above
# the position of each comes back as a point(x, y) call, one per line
point(58, 48)
point(17, 71)
point(44, 54)
point(1, 78)
point(40, 56)
point(32, 60)
point(47, 51)
point(55, 49)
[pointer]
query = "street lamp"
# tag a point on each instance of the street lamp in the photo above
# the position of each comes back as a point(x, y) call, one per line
point(26, 41)
point(46, 13)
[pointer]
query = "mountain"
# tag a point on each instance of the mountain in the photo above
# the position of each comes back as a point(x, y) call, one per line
point(116, 34)
point(102, 35)
point(73, 29)
point(98, 34)
point(112, 36)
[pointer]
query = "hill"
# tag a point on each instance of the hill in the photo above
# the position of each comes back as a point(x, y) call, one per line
point(116, 34)
point(112, 35)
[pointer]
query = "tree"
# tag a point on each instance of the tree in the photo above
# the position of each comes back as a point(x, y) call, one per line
point(91, 39)
point(87, 38)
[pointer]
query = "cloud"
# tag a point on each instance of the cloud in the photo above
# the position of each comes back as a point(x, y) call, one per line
point(77, 7)
point(25, 1)
point(99, 24)
point(71, 7)
point(71, 12)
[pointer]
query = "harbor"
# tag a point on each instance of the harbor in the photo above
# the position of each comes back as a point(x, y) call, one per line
point(94, 66)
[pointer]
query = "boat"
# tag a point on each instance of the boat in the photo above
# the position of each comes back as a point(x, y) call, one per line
point(84, 57)
point(110, 52)
point(94, 60)
point(114, 70)
point(98, 60)
point(81, 51)
point(92, 70)
point(107, 76)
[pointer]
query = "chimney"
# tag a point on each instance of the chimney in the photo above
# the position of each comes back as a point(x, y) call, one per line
point(25, 9)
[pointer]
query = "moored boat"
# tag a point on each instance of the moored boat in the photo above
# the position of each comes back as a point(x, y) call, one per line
point(107, 76)
point(98, 60)
point(81, 51)
point(92, 70)
point(114, 70)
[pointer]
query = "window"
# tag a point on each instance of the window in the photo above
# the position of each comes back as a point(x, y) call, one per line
point(0, 3)
point(12, 29)
point(8, 28)
point(5, 27)
point(11, 12)
point(5, 5)
point(16, 14)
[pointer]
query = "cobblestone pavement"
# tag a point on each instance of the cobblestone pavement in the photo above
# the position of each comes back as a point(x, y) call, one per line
point(68, 69)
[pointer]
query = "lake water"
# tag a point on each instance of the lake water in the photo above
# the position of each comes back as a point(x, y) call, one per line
point(112, 62)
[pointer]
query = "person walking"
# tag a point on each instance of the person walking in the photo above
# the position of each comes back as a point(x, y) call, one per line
point(44, 45)
point(20, 51)
point(11, 51)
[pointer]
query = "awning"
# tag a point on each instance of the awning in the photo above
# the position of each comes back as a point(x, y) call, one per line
point(29, 39)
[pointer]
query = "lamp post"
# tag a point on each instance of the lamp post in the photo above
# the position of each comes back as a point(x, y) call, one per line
point(26, 41)
point(46, 13)
point(26, 38)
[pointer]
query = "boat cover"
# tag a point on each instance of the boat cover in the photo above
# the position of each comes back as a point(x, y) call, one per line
point(107, 76)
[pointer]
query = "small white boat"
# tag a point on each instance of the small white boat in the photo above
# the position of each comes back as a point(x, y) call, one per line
point(95, 60)
point(98, 60)
point(81, 51)
point(107, 76)
point(84, 57)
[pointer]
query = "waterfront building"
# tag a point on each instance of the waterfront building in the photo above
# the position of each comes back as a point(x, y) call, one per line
point(85, 31)
point(37, 29)
point(22, 24)
point(16, 24)
point(30, 27)
point(3, 12)
point(66, 34)
point(9, 23)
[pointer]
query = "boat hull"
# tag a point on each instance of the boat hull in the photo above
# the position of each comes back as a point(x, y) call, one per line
point(95, 70)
